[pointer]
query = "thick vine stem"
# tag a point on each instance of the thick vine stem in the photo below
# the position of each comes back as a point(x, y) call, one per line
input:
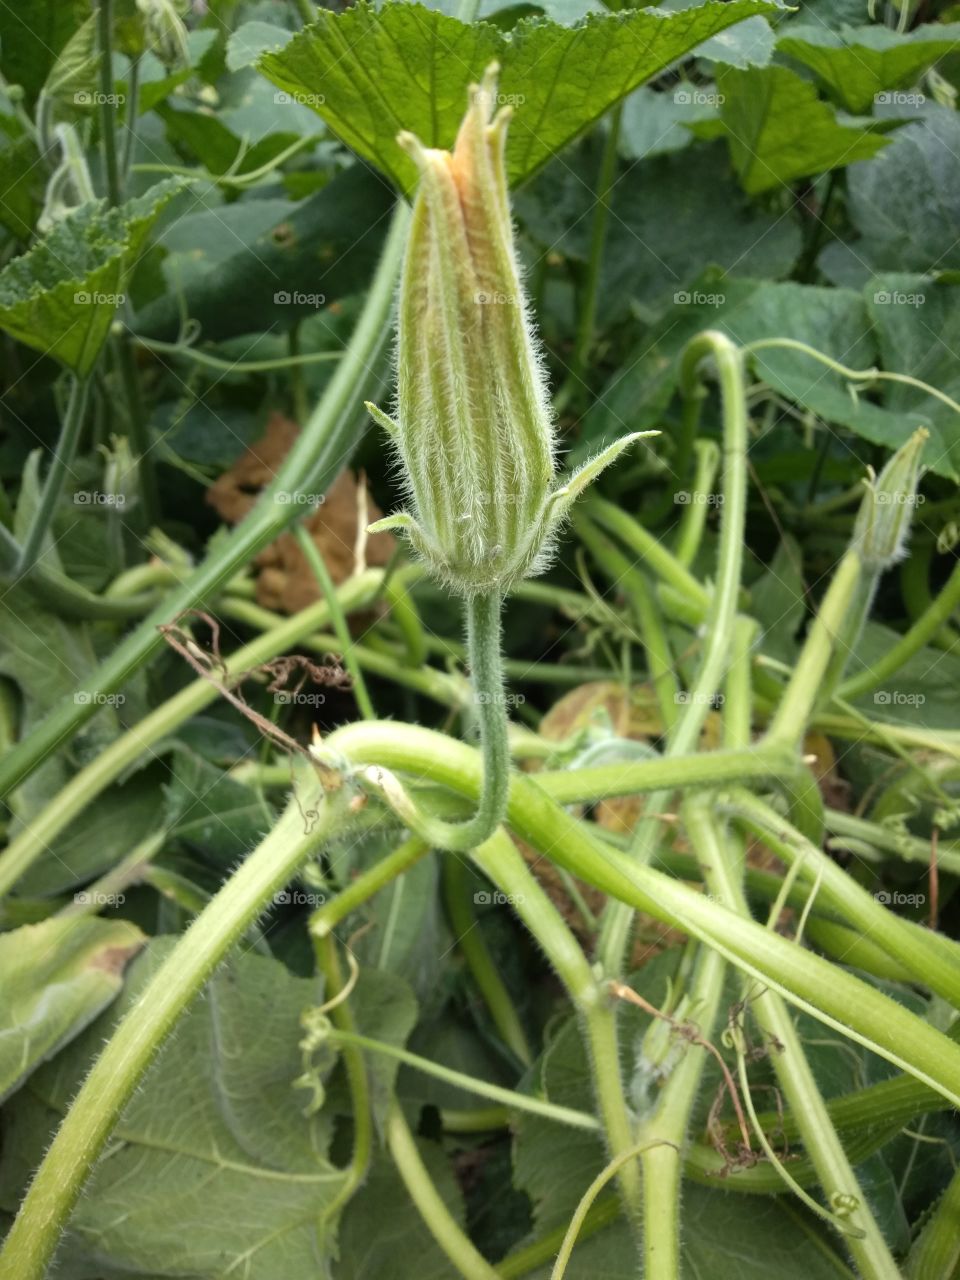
point(722, 611)
point(498, 858)
point(828, 993)
point(95, 1110)
point(803, 691)
point(452, 1239)
point(936, 1251)
point(931, 959)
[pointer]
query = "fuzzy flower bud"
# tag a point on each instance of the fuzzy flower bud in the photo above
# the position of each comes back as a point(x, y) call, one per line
point(474, 425)
point(883, 521)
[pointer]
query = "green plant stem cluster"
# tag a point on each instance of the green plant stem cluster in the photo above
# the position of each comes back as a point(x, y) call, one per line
point(721, 795)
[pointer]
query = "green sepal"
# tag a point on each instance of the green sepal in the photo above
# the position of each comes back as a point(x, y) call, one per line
point(563, 498)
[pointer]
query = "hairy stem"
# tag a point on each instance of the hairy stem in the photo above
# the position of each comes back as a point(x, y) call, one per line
point(830, 994)
point(486, 672)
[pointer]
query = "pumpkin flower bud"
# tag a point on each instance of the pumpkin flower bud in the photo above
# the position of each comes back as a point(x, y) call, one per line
point(474, 426)
point(883, 521)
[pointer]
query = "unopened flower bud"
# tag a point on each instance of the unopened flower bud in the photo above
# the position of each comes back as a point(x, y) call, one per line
point(883, 521)
point(474, 425)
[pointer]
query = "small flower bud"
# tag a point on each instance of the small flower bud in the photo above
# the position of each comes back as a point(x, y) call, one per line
point(474, 429)
point(883, 521)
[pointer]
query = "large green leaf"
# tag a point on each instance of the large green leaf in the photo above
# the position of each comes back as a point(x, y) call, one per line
point(381, 1236)
point(119, 819)
point(917, 321)
point(31, 37)
point(261, 264)
point(664, 230)
point(779, 130)
point(371, 73)
point(221, 817)
point(57, 976)
point(61, 296)
point(905, 202)
point(21, 187)
point(214, 1164)
point(858, 63)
